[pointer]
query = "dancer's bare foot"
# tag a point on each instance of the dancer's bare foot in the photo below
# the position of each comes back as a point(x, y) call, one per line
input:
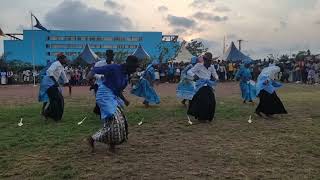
point(146, 104)
point(112, 148)
point(259, 114)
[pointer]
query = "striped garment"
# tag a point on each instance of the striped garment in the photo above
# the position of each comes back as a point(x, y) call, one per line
point(115, 131)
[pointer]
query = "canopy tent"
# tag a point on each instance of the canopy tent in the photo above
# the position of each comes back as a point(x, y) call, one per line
point(183, 54)
point(87, 55)
point(141, 54)
point(234, 55)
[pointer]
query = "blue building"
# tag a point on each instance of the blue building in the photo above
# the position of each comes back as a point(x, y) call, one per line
point(48, 44)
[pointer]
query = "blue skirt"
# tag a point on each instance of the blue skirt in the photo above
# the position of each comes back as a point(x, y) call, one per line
point(45, 84)
point(186, 89)
point(107, 102)
point(145, 90)
point(248, 91)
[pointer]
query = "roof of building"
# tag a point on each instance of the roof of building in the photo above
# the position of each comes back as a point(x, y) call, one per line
point(140, 53)
point(234, 55)
point(88, 55)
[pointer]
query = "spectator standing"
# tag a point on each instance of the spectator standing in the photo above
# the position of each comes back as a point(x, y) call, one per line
point(3, 75)
point(177, 74)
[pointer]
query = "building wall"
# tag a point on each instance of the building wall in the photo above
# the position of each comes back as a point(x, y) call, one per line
point(48, 44)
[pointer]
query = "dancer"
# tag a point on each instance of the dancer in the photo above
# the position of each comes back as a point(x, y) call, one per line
point(110, 99)
point(186, 86)
point(99, 77)
point(270, 103)
point(144, 87)
point(50, 92)
point(202, 106)
point(247, 86)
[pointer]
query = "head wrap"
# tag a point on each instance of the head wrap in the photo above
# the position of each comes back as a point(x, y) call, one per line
point(61, 56)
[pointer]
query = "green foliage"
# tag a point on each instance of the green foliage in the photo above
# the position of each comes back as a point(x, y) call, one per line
point(301, 55)
point(196, 48)
point(18, 65)
point(165, 53)
point(3, 63)
point(120, 56)
point(284, 58)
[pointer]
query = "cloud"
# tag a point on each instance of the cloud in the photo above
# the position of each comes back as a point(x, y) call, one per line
point(162, 8)
point(113, 5)
point(232, 36)
point(77, 15)
point(201, 3)
point(222, 9)
point(181, 22)
point(179, 30)
point(210, 17)
point(21, 27)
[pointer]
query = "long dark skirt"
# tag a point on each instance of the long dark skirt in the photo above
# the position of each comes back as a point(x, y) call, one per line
point(203, 104)
point(270, 104)
point(56, 104)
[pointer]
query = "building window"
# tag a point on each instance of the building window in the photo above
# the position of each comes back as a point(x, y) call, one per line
point(94, 46)
point(94, 38)
point(107, 38)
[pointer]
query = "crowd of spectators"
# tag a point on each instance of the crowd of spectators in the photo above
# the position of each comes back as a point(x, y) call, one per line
point(305, 70)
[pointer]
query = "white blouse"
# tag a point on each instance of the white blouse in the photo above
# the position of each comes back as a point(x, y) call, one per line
point(56, 70)
point(202, 72)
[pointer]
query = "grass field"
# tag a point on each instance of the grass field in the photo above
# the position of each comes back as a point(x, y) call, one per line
point(165, 146)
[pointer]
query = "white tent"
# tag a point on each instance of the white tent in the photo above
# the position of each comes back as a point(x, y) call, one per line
point(183, 54)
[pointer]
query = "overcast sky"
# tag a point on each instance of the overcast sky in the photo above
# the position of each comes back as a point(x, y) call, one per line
point(268, 26)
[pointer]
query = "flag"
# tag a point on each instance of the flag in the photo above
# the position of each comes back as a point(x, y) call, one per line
point(38, 25)
point(1, 32)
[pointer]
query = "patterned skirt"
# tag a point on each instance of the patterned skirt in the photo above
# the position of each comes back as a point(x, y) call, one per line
point(115, 131)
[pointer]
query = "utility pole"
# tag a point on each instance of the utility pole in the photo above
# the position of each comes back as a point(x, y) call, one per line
point(224, 44)
point(240, 41)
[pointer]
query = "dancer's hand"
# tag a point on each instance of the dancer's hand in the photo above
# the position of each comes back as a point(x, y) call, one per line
point(195, 77)
point(212, 78)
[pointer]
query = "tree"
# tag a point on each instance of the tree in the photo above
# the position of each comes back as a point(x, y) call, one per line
point(196, 48)
point(284, 58)
point(167, 50)
point(120, 57)
point(301, 55)
point(3, 63)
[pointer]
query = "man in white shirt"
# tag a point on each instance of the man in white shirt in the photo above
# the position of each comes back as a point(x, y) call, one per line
point(202, 106)
point(50, 93)
point(204, 71)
